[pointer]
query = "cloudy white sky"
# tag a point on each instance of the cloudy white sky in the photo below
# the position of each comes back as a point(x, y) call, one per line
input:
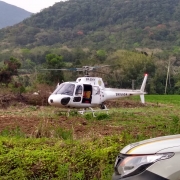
point(33, 6)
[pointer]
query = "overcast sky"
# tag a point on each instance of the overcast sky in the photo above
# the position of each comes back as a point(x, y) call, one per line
point(33, 6)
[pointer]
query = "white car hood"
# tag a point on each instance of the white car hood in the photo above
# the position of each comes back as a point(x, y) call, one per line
point(152, 146)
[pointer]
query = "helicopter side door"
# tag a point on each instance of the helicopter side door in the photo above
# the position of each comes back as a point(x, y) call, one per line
point(78, 94)
point(95, 95)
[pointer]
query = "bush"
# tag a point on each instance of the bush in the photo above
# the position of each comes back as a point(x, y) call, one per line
point(56, 159)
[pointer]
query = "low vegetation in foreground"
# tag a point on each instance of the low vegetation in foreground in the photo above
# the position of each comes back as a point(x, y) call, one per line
point(41, 142)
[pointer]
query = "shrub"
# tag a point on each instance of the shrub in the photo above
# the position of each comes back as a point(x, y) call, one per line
point(56, 159)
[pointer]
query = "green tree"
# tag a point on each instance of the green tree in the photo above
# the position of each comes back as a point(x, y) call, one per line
point(101, 55)
point(129, 66)
point(52, 74)
point(28, 64)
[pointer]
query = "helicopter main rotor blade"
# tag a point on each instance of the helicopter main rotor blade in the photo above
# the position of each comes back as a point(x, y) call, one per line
point(53, 69)
point(98, 67)
point(85, 69)
point(63, 69)
point(91, 68)
point(102, 66)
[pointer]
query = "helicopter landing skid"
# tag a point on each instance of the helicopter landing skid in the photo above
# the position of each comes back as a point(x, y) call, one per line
point(93, 111)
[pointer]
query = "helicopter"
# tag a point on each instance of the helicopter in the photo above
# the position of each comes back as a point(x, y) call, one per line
point(89, 92)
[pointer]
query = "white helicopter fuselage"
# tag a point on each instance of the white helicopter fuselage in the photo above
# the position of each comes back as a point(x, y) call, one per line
point(89, 92)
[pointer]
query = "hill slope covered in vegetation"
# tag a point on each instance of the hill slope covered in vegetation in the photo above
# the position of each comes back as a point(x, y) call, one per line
point(107, 24)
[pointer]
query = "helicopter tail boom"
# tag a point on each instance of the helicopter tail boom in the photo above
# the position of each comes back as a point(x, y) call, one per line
point(114, 93)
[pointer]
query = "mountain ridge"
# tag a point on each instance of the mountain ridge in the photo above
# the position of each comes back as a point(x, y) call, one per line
point(11, 15)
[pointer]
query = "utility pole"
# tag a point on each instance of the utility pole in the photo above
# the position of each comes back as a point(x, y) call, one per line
point(167, 76)
point(133, 84)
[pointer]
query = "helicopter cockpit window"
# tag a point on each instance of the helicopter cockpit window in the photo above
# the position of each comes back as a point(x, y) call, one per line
point(96, 90)
point(78, 90)
point(58, 88)
point(67, 88)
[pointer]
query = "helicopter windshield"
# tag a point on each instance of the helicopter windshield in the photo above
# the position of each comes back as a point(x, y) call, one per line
point(65, 88)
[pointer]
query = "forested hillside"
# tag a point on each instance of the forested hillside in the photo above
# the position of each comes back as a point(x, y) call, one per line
point(111, 24)
point(135, 36)
point(11, 15)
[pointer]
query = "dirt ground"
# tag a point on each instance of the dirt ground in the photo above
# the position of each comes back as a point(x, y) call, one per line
point(23, 112)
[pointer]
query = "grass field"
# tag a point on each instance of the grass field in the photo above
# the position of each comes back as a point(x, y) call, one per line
point(43, 143)
point(165, 99)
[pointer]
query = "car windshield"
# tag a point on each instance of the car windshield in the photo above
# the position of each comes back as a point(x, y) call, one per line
point(65, 88)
